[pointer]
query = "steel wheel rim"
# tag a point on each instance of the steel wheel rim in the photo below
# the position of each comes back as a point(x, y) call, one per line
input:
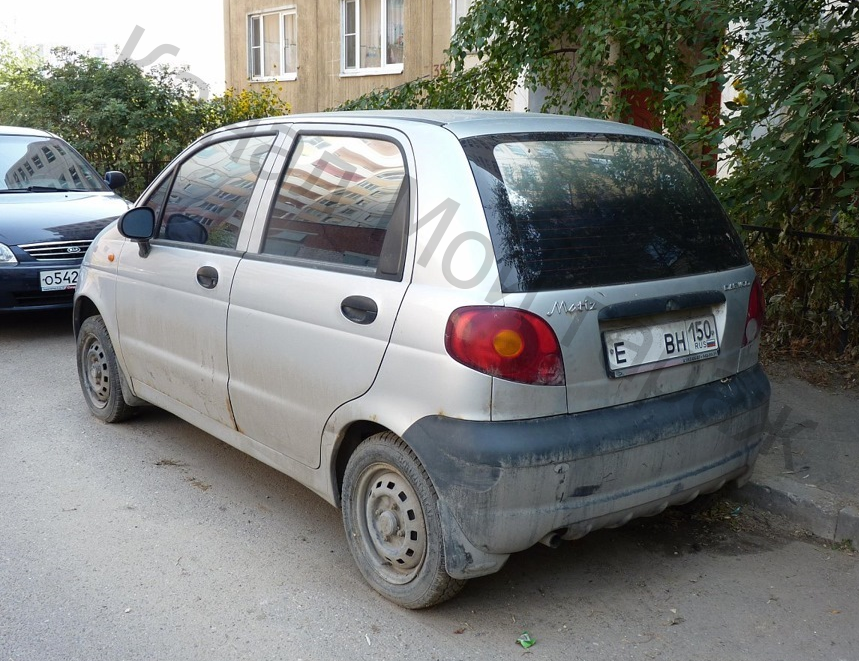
point(392, 523)
point(96, 372)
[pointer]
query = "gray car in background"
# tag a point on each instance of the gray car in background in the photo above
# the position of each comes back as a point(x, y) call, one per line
point(470, 331)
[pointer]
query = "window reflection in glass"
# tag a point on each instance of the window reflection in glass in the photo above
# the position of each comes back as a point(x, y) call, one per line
point(371, 33)
point(271, 45)
point(586, 210)
point(336, 200)
point(210, 193)
point(28, 161)
point(395, 31)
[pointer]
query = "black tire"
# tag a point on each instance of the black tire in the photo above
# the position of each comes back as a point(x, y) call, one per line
point(390, 514)
point(98, 372)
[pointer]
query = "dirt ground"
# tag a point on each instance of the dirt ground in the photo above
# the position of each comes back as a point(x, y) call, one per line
point(821, 373)
point(717, 525)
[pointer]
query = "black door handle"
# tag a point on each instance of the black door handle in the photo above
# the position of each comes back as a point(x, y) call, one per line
point(207, 276)
point(360, 309)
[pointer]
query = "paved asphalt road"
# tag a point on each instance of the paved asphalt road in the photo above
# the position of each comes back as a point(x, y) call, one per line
point(151, 540)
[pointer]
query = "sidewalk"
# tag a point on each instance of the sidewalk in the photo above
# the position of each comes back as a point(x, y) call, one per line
point(808, 469)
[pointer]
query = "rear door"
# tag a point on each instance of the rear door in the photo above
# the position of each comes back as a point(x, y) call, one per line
point(620, 245)
point(313, 308)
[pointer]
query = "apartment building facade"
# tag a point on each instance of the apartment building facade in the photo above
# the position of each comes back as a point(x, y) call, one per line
point(320, 53)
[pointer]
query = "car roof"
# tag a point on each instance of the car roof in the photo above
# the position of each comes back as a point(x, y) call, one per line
point(467, 123)
point(21, 130)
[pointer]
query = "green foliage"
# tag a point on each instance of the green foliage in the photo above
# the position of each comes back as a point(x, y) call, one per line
point(460, 89)
point(792, 138)
point(791, 135)
point(117, 115)
point(235, 106)
point(583, 53)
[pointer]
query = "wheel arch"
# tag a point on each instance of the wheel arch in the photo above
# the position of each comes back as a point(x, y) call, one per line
point(350, 438)
point(84, 308)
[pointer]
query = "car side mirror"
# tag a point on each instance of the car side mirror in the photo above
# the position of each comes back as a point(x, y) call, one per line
point(138, 224)
point(115, 180)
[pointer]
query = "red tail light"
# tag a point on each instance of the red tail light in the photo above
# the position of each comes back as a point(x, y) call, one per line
point(508, 343)
point(756, 313)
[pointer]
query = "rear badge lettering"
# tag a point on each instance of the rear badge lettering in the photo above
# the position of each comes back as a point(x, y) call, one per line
point(561, 307)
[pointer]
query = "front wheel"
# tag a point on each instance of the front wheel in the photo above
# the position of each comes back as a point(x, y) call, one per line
point(98, 372)
point(392, 525)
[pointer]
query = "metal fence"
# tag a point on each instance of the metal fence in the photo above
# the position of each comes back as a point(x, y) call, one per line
point(848, 255)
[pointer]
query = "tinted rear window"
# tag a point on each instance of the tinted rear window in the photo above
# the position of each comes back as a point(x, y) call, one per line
point(571, 210)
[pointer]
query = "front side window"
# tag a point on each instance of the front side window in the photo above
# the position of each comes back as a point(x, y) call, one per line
point(211, 191)
point(343, 202)
point(372, 35)
point(273, 45)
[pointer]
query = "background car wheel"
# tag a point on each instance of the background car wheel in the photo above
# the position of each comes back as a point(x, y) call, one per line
point(392, 524)
point(99, 373)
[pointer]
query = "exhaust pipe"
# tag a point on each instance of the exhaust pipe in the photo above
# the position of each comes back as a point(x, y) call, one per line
point(553, 539)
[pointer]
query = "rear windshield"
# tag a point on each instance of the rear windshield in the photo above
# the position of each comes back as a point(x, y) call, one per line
point(572, 210)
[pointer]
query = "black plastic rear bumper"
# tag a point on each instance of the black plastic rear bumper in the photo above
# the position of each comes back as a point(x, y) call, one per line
point(503, 486)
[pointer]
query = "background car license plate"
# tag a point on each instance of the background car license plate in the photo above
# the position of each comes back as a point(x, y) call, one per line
point(636, 350)
point(59, 280)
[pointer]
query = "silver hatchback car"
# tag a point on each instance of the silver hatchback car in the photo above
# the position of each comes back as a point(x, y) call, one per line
point(470, 331)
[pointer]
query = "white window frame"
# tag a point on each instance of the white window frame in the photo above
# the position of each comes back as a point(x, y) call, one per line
point(454, 19)
point(358, 70)
point(281, 13)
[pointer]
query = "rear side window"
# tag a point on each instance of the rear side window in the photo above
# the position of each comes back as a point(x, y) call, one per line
point(569, 210)
point(343, 202)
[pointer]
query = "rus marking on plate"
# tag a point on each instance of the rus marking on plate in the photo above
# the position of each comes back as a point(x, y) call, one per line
point(580, 306)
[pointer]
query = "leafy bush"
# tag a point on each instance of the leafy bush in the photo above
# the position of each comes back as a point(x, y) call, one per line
point(117, 115)
point(791, 135)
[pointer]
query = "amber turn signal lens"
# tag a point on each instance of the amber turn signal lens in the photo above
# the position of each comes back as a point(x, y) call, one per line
point(508, 343)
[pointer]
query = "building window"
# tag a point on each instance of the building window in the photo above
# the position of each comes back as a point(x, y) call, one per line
point(458, 9)
point(273, 45)
point(372, 36)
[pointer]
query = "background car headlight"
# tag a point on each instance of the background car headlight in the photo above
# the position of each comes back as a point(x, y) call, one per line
point(6, 256)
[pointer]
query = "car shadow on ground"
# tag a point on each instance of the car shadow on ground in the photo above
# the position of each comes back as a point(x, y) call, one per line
point(38, 324)
point(616, 559)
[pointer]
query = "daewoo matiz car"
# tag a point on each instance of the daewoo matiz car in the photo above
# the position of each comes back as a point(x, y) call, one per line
point(52, 204)
point(470, 331)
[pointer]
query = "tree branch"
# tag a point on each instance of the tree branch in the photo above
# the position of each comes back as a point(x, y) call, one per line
point(559, 51)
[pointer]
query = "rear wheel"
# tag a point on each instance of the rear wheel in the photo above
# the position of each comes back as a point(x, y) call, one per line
point(392, 525)
point(98, 372)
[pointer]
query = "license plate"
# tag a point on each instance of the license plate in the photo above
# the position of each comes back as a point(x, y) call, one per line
point(59, 280)
point(645, 348)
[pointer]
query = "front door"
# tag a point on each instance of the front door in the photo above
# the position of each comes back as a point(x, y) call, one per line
point(172, 304)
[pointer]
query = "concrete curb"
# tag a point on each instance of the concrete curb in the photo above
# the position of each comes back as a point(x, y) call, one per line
point(822, 513)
